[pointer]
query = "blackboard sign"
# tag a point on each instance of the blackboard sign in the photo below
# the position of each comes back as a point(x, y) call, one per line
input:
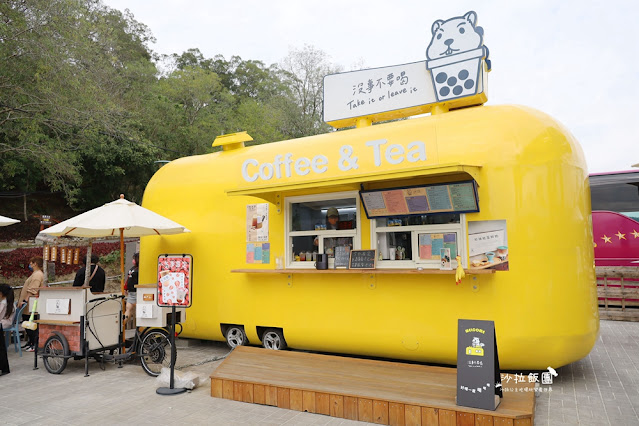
point(478, 375)
point(362, 259)
point(342, 255)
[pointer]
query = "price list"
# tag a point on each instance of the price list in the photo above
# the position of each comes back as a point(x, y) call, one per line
point(439, 198)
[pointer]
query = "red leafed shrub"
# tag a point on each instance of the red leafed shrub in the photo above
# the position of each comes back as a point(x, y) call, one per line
point(15, 263)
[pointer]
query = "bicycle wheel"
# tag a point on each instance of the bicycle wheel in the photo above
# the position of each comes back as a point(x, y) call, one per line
point(155, 352)
point(54, 349)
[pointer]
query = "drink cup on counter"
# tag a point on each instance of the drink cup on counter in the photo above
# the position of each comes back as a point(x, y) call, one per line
point(392, 252)
point(490, 256)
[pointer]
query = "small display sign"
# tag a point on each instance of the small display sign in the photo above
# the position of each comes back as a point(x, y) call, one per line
point(175, 285)
point(362, 259)
point(342, 256)
point(458, 197)
point(59, 306)
point(455, 70)
point(478, 375)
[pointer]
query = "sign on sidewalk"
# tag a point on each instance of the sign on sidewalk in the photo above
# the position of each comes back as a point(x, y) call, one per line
point(478, 375)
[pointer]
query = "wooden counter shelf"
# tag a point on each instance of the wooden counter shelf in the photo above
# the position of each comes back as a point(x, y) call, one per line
point(56, 322)
point(361, 271)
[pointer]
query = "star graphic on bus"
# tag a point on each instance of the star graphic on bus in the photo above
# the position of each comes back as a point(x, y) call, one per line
point(620, 235)
point(606, 239)
point(635, 233)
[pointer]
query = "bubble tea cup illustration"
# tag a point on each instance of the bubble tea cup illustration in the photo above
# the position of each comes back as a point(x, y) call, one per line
point(454, 56)
point(180, 294)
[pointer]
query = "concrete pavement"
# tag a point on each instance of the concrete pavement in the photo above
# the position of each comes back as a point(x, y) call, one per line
point(601, 389)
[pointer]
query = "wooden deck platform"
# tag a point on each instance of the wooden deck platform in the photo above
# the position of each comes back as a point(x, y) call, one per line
point(359, 389)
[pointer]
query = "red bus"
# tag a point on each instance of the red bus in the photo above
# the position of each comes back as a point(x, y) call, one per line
point(615, 217)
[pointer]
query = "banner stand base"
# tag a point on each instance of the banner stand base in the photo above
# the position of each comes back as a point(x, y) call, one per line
point(170, 391)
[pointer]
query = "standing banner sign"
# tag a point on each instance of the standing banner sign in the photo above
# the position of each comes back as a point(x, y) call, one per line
point(175, 272)
point(478, 375)
point(175, 288)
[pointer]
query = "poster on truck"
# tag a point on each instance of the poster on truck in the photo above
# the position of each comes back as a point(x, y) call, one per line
point(257, 222)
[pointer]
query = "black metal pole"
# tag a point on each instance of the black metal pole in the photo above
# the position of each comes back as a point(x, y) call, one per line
point(172, 338)
point(36, 339)
point(171, 389)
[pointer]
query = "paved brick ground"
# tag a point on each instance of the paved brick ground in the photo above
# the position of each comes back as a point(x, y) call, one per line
point(601, 389)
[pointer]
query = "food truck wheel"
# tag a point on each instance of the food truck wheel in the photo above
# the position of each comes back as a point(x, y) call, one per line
point(273, 338)
point(55, 348)
point(155, 352)
point(235, 337)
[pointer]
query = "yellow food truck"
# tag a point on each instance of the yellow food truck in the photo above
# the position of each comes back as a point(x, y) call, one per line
point(349, 242)
point(531, 185)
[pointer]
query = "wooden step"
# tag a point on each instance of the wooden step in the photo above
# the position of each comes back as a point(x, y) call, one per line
point(381, 392)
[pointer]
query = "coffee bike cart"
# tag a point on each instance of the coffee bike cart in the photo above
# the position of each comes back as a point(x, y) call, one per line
point(78, 324)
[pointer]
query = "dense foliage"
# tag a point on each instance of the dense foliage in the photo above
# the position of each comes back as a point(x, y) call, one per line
point(15, 263)
point(87, 108)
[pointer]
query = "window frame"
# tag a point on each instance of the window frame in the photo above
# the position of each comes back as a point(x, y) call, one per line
point(457, 228)
point(289, 261)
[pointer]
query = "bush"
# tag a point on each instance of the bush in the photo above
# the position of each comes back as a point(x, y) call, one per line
point(15, 263)
point(109, 258)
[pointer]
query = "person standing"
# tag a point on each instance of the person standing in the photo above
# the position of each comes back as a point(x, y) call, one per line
point(7, 312)
point(131, 292)
point(332, 218)
point(31, 288)
point(97, 279)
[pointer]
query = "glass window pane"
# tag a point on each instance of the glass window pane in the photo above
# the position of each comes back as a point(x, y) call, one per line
point(303, 245)
point(397, 243)
point(324, 214)
point(331, 242)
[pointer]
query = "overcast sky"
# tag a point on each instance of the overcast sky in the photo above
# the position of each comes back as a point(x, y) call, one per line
point(577, 61)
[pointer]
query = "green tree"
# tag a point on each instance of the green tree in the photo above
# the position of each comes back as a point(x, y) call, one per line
point(217, 96)
point(72, 74)
point(305, 71)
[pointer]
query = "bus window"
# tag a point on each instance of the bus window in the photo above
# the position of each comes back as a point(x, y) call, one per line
point(617, 192)
point(615, 218)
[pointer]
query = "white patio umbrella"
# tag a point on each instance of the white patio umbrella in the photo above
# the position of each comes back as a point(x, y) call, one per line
point(121, 218)
point(5, 221)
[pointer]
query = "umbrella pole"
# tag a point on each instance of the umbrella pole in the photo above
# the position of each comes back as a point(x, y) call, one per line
point(122, 260)
point(87, 269)
point(122, 283)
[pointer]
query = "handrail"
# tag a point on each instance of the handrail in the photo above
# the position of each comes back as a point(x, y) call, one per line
point(113, 278)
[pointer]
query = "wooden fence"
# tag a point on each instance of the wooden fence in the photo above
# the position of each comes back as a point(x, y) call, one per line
point(618, 292)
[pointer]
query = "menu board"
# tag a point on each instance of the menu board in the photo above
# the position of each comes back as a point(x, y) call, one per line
point(362, 259)
point(427, 199)
point(431, 244)
point(175, 284)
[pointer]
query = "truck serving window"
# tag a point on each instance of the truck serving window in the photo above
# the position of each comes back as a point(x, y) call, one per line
point(318, 224)
point(415, 241)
